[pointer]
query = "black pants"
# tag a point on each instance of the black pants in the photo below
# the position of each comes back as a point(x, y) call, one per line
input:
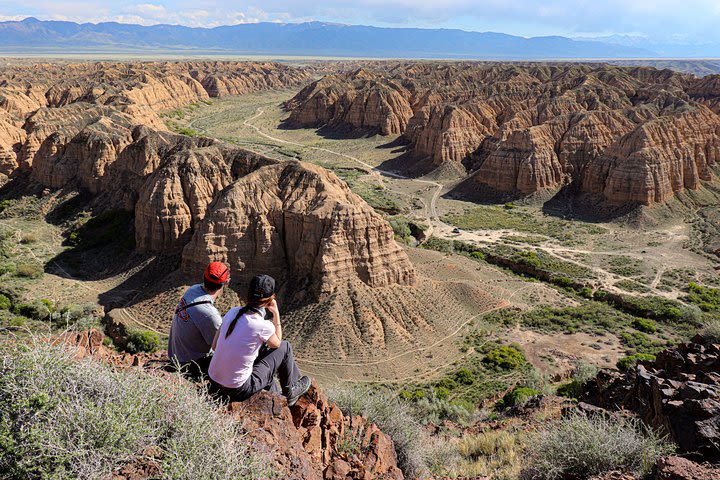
point(269, 363)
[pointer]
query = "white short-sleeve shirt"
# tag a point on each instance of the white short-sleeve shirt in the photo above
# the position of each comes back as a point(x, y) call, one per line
point(232, 363)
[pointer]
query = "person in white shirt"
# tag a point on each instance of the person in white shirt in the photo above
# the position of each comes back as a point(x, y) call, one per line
point(250, 351)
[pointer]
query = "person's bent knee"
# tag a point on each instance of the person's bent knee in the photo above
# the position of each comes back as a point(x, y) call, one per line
point(285, 345)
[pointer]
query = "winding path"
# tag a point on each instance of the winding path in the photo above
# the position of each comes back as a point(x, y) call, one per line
point(433, 216)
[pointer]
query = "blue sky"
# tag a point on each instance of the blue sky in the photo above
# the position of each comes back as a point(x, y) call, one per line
point(691, 21)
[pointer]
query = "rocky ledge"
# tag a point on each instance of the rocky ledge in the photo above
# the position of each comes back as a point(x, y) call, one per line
point(678, 394)
point(312, 440)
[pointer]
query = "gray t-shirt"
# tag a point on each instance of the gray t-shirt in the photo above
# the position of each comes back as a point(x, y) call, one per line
point(193, 329)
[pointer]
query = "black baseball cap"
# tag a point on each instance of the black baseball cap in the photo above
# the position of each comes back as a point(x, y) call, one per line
point(262, 286)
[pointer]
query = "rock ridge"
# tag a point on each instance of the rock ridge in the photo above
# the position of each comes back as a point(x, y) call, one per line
point(626, 135)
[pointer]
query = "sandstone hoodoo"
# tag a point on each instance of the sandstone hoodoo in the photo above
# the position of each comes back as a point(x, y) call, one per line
point(303, 226)
point(622, 135)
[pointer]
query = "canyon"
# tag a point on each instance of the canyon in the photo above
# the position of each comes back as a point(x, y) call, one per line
point(95, 127)
point(617, 135)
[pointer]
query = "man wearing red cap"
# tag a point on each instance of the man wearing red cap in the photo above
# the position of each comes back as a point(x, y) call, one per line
point(196, 321)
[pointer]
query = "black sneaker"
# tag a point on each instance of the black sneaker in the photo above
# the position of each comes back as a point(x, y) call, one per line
point(297, 390)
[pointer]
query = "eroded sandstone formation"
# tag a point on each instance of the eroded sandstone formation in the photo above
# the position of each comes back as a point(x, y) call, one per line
point(624, 135)
point(302, 225)
point(95, 127)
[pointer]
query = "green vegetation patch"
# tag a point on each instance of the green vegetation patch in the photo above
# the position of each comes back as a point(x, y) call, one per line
point(707, 298)
point(539, 264)
point(625, 266)
point(591, 317)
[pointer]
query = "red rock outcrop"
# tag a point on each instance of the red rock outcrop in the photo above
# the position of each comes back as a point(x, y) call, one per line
point(626, 135)
point(302, 225)
point(679, 468)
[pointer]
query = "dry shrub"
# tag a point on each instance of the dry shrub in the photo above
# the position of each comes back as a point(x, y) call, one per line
point(66, 419)
point(581, 446)
point(497, 454)
point(396, 419)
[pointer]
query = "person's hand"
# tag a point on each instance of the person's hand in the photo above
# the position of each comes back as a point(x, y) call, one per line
point(273, 308)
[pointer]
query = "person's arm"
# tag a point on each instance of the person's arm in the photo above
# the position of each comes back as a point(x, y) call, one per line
point(275, 338)
point(214, 342)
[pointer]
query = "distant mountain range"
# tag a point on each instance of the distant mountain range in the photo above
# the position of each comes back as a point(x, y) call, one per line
point(293, 39)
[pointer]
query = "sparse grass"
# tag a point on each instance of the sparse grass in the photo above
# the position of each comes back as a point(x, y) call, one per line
point(625, 266)
point(29, 270)
point(711, 329)
point(632, 286)
point(393, 417)
point(499, 218)
point(580, 447)
point(68, 419)
point(495, 453)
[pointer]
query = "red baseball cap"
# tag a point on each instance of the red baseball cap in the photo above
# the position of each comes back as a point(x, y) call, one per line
point(217, 272)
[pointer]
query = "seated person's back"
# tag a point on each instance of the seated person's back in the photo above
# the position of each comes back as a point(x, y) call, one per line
point(196, 320)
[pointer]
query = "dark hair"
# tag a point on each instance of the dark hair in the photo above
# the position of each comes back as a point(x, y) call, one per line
point(252, 304)
point(211, 286)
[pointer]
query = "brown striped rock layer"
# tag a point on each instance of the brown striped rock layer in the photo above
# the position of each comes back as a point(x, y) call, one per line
point(625, 135)
point(302, 225)
point(55, 103)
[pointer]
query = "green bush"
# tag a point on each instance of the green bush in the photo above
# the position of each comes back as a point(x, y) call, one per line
point(708, 299)
point(36, 310)
point(571, 389)
point(65, 419)
point(626, 363)
point(441, 392)
point(644, 325)
point(464, 376)
point(581, 447)
point(477, 255)
point(516, 396)
point(711, 329)
point(142, 341)
point(506, 357)
point(638, 342)
point(5, 302)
